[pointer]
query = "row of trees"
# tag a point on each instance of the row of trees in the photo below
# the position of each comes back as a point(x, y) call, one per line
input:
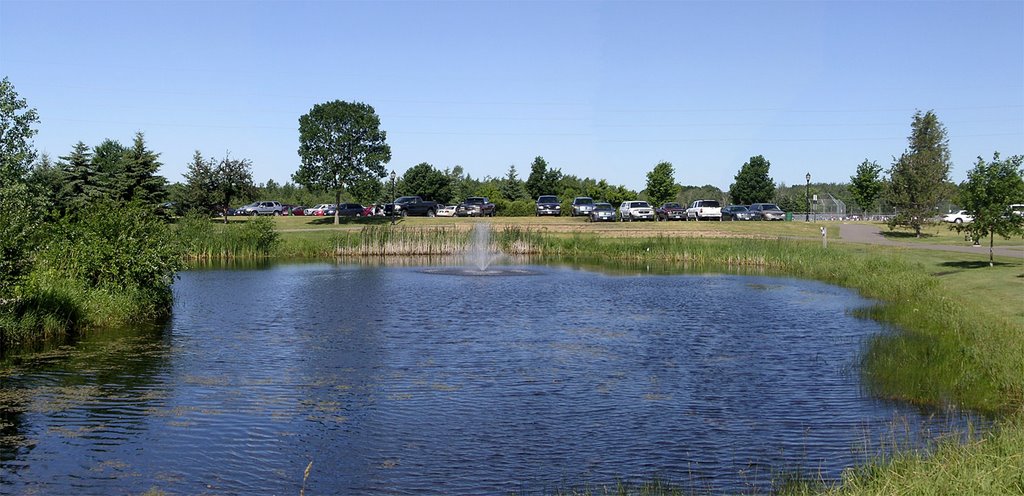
point(78, 240)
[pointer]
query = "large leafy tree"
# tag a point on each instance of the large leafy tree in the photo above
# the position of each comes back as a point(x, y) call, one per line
point(339, 144)
point(753, 185)
point(233, 179)
point(17, 154)
point(16, 150)
point(866, 185)
point(918, 178)
point(661, 184)
point(426, 181)
point(990, 189)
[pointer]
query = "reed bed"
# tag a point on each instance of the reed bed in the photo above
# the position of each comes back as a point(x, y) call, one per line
point(202, 238)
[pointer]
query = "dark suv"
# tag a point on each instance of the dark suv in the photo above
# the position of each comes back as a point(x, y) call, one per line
point(549, 205)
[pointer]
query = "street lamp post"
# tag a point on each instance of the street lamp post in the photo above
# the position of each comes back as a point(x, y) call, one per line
point(393, 198)
point(807, 198)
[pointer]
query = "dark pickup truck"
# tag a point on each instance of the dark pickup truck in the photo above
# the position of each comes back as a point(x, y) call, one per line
point(670, 211)
point(475, 206)
point(411, 205)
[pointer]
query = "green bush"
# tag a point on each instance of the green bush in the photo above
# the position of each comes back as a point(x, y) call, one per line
point(517, 208)
point(113, 246)
point(16, 226)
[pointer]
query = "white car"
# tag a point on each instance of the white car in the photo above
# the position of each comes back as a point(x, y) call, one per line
point(958, 217)
point(448, 211)
point(635, 210)
point(312, 210)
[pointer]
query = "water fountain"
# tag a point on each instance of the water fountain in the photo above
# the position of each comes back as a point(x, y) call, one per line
point(480, 258)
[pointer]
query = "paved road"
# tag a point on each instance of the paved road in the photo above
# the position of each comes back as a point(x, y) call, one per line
point(870, 233)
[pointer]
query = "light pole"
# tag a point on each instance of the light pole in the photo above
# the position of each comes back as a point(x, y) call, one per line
point(807, 198)
point(393, 205)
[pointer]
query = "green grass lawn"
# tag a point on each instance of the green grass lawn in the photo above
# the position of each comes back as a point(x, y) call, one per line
point(940, 234)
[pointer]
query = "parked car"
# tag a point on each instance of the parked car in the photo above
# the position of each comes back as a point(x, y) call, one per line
point(350, 210)
point(447, 211)
point(582, 205)
point(264, 208)
point(704, 210)
point(766, 211)
point(549, 205)
point(635, 210)
point(670, 211)
point(475, 206)
point(735, 212)
point(298, 210)
point(243, 209)
point(1017, 208)
point(326, 209)
point(958, 217)
point(602, 212)
point(312, 210)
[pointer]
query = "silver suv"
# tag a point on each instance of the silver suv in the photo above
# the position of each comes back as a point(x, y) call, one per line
point(263, 208)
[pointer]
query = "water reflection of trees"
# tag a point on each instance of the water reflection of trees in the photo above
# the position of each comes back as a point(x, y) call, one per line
point(100, 388)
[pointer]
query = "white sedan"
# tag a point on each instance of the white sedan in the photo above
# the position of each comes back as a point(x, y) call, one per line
point(448, 211)
point(958, 217)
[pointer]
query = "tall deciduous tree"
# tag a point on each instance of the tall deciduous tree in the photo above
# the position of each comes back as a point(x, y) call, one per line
point(233, 180)
point(16, 157)
point(426, 181)
point(16, 150)
point(753, 185)
point(918, 177)
point(866, 185)
point(339, 144)
point(661, 184)
point(989, 191)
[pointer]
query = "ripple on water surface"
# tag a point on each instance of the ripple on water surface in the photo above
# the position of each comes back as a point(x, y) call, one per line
point(403, 381)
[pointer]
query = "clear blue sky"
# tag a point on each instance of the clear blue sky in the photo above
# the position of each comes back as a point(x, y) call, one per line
point(599, 89)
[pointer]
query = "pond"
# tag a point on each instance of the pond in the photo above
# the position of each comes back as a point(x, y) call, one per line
point(408, 380)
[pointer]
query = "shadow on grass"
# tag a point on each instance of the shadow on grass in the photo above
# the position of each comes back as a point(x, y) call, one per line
point(975, 264)
point(904, 235)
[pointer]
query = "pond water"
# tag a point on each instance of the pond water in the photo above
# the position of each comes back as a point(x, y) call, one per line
point(410, 380)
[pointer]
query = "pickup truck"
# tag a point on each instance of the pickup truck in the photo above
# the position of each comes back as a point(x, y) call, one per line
point(475, 206)
point(670, 211)
point(704, 210)
point(411, 205)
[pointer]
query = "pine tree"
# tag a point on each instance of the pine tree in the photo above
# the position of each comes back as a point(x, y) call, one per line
point(918, 177)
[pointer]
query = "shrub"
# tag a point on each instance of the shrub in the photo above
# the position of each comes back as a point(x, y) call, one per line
point(114, 246)
point(517, 208)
